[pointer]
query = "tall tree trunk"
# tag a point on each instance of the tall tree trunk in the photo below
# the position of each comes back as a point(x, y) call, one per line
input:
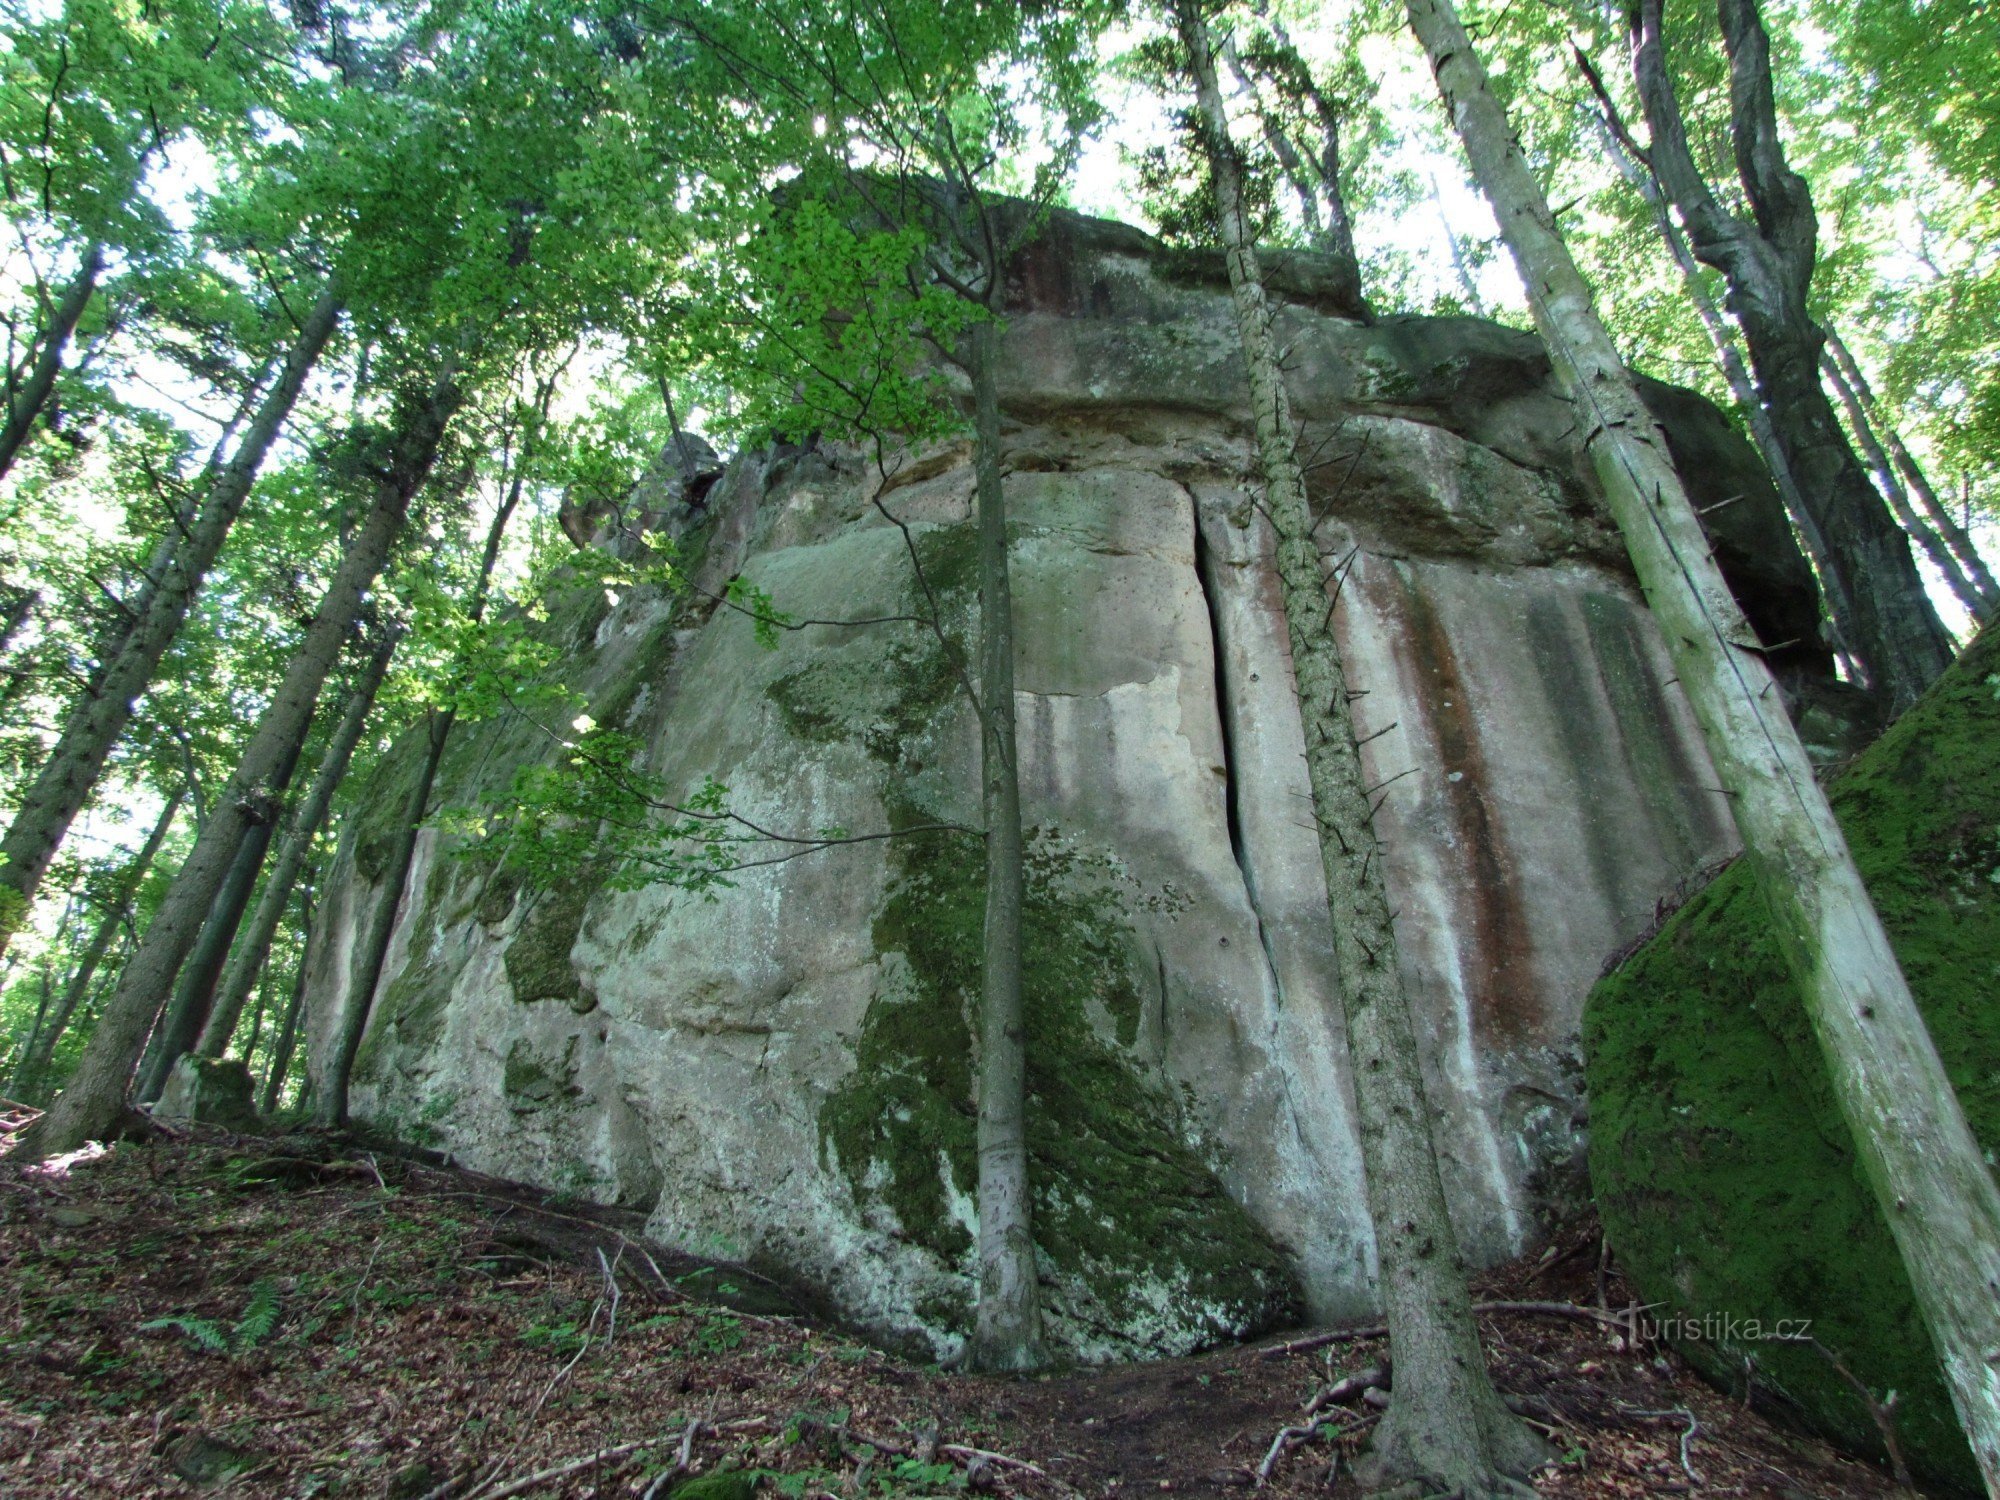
point(1956, 536)
point(34, 1067)
point(194, 991)
point(1445, 1424)
point(1459, 264)
point(95, 1098)
point(70, 773)
point(33, 396)
point(1624, 153)
point(1890, 484)
point(288, 1029)
point(1007, 1332)
point(330, 1107)
point(365, 972)
point(255, 946)
point(1768, 266)
point(1915, 1150)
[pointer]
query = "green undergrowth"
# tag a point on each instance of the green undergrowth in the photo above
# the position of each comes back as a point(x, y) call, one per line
point(1726, 1176)
point(1124, 1204)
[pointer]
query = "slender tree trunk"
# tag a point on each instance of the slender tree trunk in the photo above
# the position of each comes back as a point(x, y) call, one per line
point(1007, 1333)
point(1290, 163)
point(95, 1098)
point(70, 773)
point(1915, 1150)
point(1445, 1424)
point(1890, 484)
point(34, 1030)
point(194, 990)
point(1458, 261)
point(288, 1029)
point(1623, 153)
point(34, 1067)
point(365, 974)
point(1768, 267)
point(33, 397)
point(1956, 536)
point(330, 1106)
point(255, 947)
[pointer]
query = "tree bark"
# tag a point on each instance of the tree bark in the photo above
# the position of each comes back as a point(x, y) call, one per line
point(1889, 483)
point(288, 1029)
point(70, 773)
point(1623, 152)
point(330, 1107)
point(1915, 1150)
point(1007, 1334)
point(33, 397)
point(365, 970)
point(1767, 266)
point(1955, 536)
point(94, 1100)
point(34, 1067)
point(255, 947)
point(194, 991)
point(1445, 1424)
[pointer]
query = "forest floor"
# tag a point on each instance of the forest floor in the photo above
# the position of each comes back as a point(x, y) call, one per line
point(296, 1316)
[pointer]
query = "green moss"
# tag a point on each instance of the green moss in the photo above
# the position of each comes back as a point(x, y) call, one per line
point(730, 1484)
point(1724, 1171)
point(1122, 1202)
point(533, 1081)
point(537, 960)
point(882, 697)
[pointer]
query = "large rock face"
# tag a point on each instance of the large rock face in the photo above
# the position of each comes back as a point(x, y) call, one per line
point(783, 1073)
point(1726, 1173)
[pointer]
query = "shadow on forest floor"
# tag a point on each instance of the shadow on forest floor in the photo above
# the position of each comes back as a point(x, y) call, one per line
point(295, 1316)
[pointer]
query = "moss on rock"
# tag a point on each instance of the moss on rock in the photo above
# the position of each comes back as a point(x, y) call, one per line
point(1125, 1207)
point(537, 960)
point(1725, 1174)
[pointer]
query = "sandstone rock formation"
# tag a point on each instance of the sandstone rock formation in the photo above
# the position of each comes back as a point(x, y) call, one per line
point(781, 1074)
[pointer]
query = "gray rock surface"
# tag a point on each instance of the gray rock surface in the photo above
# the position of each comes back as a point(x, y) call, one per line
point(781, 1074)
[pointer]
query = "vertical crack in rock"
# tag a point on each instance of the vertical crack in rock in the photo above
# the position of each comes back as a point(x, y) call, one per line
point(1225, 697)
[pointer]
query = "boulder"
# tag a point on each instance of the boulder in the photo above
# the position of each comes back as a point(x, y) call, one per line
point(1726, 1175)
point(208, 1091)
point(779, 1073)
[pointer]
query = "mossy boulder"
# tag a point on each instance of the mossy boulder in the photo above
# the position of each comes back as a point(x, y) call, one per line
point(1133, 1227)
point(1725, 1173)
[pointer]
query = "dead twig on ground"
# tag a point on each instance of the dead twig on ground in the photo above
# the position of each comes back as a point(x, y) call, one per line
point(623, 1453)
point(1680, 1413)
point(1569, 1310)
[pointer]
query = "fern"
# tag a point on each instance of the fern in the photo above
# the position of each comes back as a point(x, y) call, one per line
point(203, 1333)
point(260, 1316)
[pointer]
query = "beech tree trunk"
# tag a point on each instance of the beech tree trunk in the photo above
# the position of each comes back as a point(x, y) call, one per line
point(1007, 1334)
point(1914, 1148)
point(365, 969)
point(1445, 1424)
point(95, 1098)
point(32, 398)
point(1940, 516)
point(33, 1070)
point(70, 773)
point(251, 953)
point(1767, 266)
point(365, 972)
point(1891, 487)
point(288, 1029)
point(194, 990)
point(1623, 152)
